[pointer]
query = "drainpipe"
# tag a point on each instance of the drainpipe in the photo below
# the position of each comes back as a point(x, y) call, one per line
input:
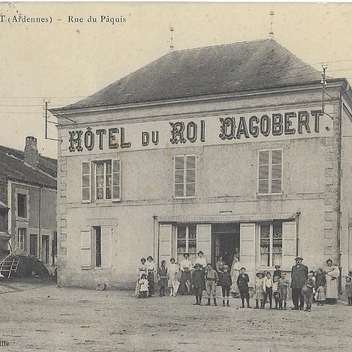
point(156, 240)
point(298, 213)
point(39, 222)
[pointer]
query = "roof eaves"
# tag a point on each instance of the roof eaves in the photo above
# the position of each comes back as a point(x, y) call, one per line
point(243, 92)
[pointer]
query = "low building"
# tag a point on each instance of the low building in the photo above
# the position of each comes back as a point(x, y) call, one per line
point(28, 202)
point(206, 149)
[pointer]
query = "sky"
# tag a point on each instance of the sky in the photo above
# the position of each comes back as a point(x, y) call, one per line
point(68, 57)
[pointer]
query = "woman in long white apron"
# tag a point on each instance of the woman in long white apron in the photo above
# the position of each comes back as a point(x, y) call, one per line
point(332, 273)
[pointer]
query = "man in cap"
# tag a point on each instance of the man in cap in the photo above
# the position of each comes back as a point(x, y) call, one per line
point(299, 275)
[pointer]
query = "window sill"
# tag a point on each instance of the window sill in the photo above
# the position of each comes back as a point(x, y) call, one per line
point(270, 196)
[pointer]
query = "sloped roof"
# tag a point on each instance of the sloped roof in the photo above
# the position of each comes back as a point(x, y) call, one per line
point(203, 71)
point(13, 167)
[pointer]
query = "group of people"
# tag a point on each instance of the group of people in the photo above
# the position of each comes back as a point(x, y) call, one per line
point(270, 288)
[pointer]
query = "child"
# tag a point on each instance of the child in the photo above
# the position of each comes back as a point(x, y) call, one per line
point(142, 269)
point(143, 287)
point(320, 282)
point(197, 281)
point(242, 283)
point(348, 290)
point(307, 291)
point(276, 291)
point(225, 283)
point(268, 289)
point(277, 272)
point(283, 290)
point(162, 277)
point(259, 292)
point(220, 265)
point(211, 280)
point(172, 277)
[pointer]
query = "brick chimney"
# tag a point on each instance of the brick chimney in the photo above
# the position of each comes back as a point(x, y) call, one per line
point(31, 155)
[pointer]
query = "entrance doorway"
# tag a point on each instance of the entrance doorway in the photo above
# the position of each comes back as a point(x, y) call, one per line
point(225, 238)
point(33, 245)
point(45, 249)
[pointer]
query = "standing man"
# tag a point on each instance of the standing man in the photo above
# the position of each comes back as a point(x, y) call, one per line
point(299, 275)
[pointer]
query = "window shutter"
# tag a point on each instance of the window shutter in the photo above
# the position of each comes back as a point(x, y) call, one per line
point(276, 171)
point(86, 182)
point(116, 180)
point(247, 248)
point(204, 239)
point(165, 237)
point(86, 250)
point(179, 176)
point(190, 176)
point(106, 248)
point(288, 244)
point(263, 172)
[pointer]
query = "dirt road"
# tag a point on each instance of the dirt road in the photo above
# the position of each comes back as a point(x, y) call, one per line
point(45, 317)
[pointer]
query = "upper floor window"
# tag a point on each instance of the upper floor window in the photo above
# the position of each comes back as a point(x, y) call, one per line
point(270, 171)
point(21, 205)
point(103, 172)
point(185, 176)
point(102, 176)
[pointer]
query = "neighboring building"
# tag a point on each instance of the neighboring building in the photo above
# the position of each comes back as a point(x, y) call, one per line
point(206, 149)
point(28, 201)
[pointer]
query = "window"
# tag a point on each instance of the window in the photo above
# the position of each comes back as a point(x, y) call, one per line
point(270, 172)
point(22, 205)
point(185, 176)
point(187, 241)
point(270, 244)
point(22, 239)
point(106, 180)
point(103, 179)
point(97, 246)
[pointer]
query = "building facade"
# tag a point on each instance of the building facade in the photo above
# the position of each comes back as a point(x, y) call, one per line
point(28, 193)
point(206, 149)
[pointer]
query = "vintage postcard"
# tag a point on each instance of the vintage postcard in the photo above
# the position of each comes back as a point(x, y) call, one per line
point(175, 176)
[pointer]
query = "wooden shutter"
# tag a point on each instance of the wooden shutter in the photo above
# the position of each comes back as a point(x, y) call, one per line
point(116, 180)
point(263, 171)
point(247, 249)
point(204, 239)
point(276, 171)
point(165, 237)
point(106, 247)
point(288, 244)
point(86, 182)
point(190, 176)
point(179, 176)
point(86, 250)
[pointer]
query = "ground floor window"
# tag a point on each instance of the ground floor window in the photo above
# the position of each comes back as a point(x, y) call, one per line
point(22, 239)
point(270, 238)
point(97, 246)
point(186, 241)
